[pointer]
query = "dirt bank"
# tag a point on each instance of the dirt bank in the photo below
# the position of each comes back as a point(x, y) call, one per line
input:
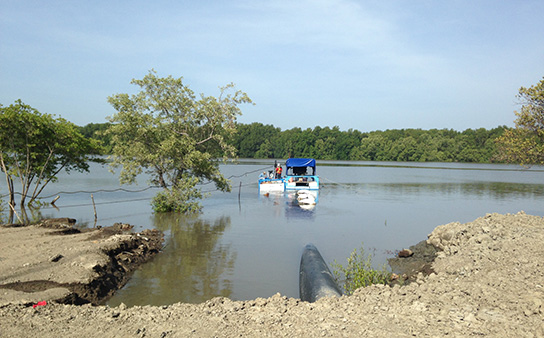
point(56, 262)
point(488, 280)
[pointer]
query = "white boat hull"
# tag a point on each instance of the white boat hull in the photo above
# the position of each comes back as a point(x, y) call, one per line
point(271, 186)
point(301, 185)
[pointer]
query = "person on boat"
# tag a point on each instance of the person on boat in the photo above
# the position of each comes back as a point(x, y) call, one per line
point(263, 175)
point(278, 171)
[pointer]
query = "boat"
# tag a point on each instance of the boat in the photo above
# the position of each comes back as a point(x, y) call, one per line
point(271, 185)
point(301, 174)
point(267, 183)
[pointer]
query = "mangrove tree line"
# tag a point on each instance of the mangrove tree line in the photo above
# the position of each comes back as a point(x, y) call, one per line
point(436, 145)
point(257, 140)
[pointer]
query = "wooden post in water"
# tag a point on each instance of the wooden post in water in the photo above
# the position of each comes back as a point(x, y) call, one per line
point(94, 207)
point(239, 192)
point(54, 200)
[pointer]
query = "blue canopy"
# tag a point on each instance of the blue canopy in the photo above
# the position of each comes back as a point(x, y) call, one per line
point(300, 162)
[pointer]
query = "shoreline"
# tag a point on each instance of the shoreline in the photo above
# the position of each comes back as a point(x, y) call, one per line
point(54, 262)
point(487, 279)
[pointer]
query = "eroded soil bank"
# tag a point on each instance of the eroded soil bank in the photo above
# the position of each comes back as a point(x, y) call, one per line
point(488, 280)
point(56, 262)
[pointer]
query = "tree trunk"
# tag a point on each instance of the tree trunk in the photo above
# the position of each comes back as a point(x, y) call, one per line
point(9, 181)
point(11, 192)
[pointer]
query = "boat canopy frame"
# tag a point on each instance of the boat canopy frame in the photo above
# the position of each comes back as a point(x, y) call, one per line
point(299, 166)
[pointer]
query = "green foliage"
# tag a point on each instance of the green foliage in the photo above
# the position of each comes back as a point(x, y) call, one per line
point(97, 131)
point(436, 145)
point(359, 273)
point(525, 143)
point(183, 198)
point(175, 137)
point(255, 140)
point(433, 145)
point(35, 147)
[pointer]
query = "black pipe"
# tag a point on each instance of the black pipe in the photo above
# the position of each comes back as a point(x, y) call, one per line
point(316, 280)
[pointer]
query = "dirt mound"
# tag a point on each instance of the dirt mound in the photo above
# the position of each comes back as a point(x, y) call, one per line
point(488, 280)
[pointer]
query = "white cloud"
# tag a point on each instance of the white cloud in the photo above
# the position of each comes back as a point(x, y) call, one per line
point(345, 56)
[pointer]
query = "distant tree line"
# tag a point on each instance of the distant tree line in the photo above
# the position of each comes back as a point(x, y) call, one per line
point(178, 138)
point(97, 131)
point(257, 140)
point(436, 145)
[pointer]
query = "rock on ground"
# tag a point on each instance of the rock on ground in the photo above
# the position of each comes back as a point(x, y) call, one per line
point(488, 280)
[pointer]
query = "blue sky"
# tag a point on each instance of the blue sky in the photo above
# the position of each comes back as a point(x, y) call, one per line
point(366, 65)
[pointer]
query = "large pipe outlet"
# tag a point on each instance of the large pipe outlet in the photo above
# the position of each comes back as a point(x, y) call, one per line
point(316, 280)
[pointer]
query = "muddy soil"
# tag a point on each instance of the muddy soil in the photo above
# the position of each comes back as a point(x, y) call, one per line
point(487, 280)
point(54, 261)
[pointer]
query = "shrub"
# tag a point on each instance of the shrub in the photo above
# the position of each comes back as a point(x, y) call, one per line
point(359, 272)
point(183, 199)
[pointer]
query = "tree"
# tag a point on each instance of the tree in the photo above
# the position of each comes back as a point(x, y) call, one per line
point(525, 143)
point(167, 132)
point(35, 147)
point(255, 140)
point(96, 131)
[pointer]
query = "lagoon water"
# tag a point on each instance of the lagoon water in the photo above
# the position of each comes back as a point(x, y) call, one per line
point(247, 245)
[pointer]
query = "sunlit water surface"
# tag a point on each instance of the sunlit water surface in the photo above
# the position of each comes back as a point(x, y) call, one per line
point(246, 245)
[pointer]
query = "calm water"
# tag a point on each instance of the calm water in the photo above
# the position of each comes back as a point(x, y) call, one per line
point(247, 245)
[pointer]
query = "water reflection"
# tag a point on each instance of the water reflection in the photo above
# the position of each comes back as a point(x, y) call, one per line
point(495, 190)
point(255, 251)
point(193, 267)
point(20, 215)
point(297, 209)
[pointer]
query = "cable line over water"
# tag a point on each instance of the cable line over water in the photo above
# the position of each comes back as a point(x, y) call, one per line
point(125, 190)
